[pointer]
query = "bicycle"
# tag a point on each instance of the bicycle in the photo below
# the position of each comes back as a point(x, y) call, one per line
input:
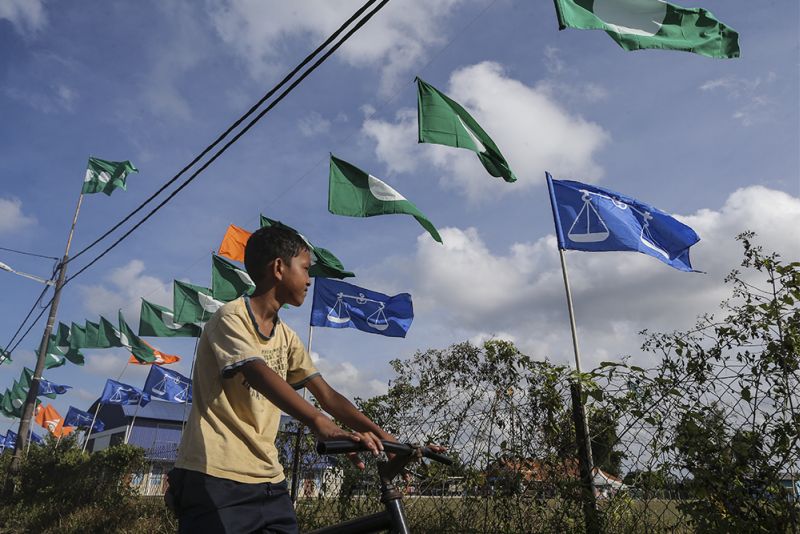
point(393, 518)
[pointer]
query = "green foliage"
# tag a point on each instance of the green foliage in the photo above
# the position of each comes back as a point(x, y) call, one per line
point(60, 489)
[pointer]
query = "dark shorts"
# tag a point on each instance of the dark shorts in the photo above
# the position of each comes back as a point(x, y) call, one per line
point(207, 504)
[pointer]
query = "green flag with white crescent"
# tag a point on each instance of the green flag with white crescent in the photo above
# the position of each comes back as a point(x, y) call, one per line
point(443, 121)
point(5, 404)
point(159, 321)
point(18, 396)
point(77, 336)
point(5, 356)
point(104, 176)
point(229, 282)
point(355, 193)
point(193, 304)
point(26, 377)
point(92, 333)
point(323, 263)
point(60, 344)
point(107, 335)
point(637, 24)
point(143, 352)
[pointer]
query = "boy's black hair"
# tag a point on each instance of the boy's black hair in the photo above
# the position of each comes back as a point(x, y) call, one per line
point(269, 243)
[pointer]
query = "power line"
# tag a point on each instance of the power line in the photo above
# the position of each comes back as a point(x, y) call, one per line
point(25, 320)
point(227, 145)
point(29, 253)
point(238, 121)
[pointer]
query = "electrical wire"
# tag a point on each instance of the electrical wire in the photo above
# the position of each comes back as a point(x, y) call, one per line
point(29, 253)
point(227, 145)
point(233, 126)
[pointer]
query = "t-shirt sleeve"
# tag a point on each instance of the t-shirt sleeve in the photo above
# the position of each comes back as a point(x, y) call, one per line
point(301, 368)
point(232, 344)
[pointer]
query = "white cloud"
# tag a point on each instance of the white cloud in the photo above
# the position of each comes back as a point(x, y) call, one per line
point(54, 98)
point(549, 138)
point(27, 16)
point(520, 294)
point(348, 379)
point(122, 289)
point(395, 39)
point(753, 104)
point(313, 124)
point(12, 218)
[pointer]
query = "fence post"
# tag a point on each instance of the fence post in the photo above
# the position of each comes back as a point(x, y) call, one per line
point(585, 464)
point(296, 462)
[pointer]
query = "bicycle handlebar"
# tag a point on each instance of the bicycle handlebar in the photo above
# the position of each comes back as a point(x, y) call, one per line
point(402, 449)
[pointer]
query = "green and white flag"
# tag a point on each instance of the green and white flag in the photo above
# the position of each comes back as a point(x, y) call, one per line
point(323, 263)
point(355, 193)
point(60, 346)
point(5, 356)
point(52, 360)
point(636, 24)
point(92, 333)
point(26, 377)
point(229, 282)
point(143, 352)
point(443, 121)
point(105, 176)
point(108, 335)
point(5, 404)
point(77, 336)
point(18, 395)
point(159, 321)
point(193, 304)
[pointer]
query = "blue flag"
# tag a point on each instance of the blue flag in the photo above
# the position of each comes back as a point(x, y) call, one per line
point(11, 439)
point(80, 419)
point(168, 385)
point(342, 305)
point(118, 393)
point(50, 389)
point(594, 219)
point(37, 439)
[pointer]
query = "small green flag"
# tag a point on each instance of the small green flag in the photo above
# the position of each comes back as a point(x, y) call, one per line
point(143, 352)
point(5, 404)
point(92, 333)
point(193, 304)
point(26, 377)
point(636, 24)
point(60, 345)
point(107, 335)
point(5, 356)
point(229, 282)
point(324, 263)
point(18, 396)
point(355, 193)
point(443, 121)
point(52, 360)
point(159, 321)
point(77, 336)
point(105, 176)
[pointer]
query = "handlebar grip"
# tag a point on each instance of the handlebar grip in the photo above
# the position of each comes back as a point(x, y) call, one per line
point(339, 447)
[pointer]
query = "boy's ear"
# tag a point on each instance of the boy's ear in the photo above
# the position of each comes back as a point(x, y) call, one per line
point(277, 268)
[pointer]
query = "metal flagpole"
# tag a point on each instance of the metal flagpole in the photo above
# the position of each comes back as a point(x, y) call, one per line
point(133, 421)
point(582, 437)
point(91, 427)
point(298, 437)
point(33, 390)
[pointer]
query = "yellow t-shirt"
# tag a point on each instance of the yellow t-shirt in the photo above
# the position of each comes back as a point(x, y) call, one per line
point(232, 428)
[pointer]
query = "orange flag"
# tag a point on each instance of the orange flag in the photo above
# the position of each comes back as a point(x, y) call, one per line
point(49, 419)
point(233, 243)
point(161, 358)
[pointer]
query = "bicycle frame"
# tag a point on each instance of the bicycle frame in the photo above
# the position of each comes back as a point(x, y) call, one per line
point(392, 519)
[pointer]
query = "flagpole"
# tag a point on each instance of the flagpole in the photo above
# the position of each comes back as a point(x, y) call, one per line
point(582, 437)
point(91, 427)
point(191, 375)
point(33, 390)
point(133, 421)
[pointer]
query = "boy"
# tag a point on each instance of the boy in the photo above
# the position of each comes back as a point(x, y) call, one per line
point(249, 364)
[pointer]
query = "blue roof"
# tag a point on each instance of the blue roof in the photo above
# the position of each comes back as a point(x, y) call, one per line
point(159, 410)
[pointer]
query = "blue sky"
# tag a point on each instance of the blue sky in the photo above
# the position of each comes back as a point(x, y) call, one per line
point(714, 142)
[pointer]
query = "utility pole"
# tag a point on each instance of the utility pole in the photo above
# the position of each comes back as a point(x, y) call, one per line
point(33, 391)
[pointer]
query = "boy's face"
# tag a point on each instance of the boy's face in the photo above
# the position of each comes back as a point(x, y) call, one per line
point(294, 280)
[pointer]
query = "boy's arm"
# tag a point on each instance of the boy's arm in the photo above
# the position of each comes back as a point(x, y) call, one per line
point(343, 410)
point(264, 380)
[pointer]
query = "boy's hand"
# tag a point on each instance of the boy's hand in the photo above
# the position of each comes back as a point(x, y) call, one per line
point(325, 429)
